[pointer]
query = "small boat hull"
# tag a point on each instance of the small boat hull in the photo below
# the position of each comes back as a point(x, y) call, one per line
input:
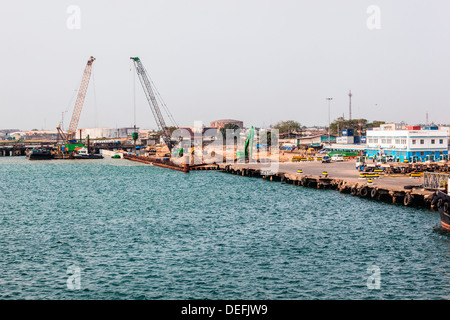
point(442, 202)
point(39, 155)
point(87, 156)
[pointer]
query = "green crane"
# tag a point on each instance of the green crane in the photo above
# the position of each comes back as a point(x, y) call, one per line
point(151, 97)
point(248, 147)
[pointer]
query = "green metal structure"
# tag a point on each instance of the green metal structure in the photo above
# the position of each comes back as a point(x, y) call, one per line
point(248, 150)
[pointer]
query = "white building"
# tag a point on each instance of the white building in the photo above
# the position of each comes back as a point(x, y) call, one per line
point(408, 144)
point(105, 132)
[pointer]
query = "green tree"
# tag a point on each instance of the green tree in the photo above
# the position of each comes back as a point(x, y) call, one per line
point(340, 123)
point(288, 127)
point(375, 124)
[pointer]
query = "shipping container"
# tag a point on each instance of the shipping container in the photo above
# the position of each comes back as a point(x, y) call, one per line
point(347, 132)
point(345, 140)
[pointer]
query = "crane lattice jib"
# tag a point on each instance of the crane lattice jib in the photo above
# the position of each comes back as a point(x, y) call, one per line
point(143, 77)
point(80, 99)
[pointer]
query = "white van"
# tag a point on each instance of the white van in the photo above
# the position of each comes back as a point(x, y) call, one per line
point(337, 157)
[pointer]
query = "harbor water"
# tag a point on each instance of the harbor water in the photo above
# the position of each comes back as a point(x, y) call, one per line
point(116, 229)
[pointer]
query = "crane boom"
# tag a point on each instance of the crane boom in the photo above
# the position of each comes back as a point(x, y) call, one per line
point(80, 99)
point(146, 85)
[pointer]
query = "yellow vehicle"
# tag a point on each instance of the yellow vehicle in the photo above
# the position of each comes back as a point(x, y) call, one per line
point(369, 175)
point(416, 174)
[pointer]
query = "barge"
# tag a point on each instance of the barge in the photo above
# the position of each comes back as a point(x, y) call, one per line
point(39, 154)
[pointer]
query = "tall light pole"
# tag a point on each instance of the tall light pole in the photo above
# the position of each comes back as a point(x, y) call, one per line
point(350, 105)
point(329, 122)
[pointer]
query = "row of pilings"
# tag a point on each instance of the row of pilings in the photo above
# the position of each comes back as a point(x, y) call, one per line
point(12, 151)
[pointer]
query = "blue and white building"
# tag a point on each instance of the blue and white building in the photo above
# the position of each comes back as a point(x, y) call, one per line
point(421, 145)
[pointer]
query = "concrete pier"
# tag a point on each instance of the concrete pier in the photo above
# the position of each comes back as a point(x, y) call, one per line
point(342, 177)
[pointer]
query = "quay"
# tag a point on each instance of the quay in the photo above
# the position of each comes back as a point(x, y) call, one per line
point(406, 189)
point(343, 177)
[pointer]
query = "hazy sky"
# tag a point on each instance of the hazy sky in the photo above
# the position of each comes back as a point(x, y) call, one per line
point(254, 60)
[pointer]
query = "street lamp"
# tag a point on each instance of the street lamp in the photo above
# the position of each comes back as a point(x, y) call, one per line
point(329, 123)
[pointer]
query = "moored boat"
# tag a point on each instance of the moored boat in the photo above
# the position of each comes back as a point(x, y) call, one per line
point(83, 153)
point(441, 200)
point(39, 154)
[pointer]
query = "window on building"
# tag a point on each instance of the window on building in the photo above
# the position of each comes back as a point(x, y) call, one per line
point(422, 141)
point(433, 141)
point(397, 141)
point(403, 141)
point(441, 141)
point(413, 141)
point(422, 153)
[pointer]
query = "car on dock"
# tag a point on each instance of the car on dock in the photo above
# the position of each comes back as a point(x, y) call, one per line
point(326, 159)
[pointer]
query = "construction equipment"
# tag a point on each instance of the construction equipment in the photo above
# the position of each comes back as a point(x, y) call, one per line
point(360, 163)
point(248, 147)
point(78, 104)
point(151, 98)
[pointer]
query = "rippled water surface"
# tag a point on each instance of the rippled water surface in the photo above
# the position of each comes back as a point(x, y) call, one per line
point(142, 232)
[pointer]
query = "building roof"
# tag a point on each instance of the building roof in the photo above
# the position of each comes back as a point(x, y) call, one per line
point(222, 120)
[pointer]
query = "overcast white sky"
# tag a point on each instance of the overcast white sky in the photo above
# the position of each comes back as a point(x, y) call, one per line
point(254, 60)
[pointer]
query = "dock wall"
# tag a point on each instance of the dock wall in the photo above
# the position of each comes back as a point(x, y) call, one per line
point(408, 196)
